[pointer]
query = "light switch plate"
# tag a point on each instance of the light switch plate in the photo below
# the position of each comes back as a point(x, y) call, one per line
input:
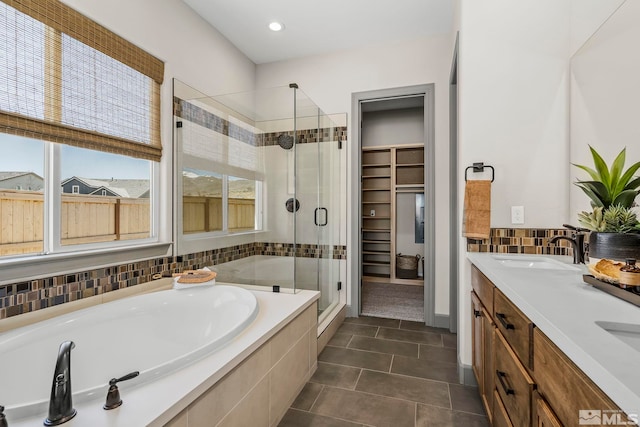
point(517, 214)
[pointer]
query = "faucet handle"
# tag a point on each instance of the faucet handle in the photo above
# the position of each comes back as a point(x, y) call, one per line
point(113, 395)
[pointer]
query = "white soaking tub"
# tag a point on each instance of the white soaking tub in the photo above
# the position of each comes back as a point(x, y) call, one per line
point(156, 334)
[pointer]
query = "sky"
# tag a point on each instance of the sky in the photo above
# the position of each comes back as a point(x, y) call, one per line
point(27, 155)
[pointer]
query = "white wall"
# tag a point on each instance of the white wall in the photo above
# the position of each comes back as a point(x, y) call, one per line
point(586, 17)
point(604, 96)
point(513, 110)
point(330, 80)
point(193, 52)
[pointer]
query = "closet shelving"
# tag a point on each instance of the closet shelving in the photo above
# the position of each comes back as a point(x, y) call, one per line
point(386, 171)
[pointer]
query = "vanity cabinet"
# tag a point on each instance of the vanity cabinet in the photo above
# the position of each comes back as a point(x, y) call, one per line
point(523, 378)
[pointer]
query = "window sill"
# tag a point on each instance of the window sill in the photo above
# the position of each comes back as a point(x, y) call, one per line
point(40, 266)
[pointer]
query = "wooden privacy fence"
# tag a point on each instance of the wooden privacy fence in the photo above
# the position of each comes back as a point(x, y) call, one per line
point(84, 219)
point(202, 214)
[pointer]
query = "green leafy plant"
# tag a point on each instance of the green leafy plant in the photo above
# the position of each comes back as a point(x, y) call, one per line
point(610, 186)
point(615, 219)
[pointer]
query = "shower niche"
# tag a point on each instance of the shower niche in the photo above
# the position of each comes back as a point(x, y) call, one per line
point(259, 187)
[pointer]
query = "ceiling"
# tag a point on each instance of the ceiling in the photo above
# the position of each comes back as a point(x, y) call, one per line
point(315, 27)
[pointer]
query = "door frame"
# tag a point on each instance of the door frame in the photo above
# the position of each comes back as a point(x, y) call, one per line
point(454, 225)
point(354, 207)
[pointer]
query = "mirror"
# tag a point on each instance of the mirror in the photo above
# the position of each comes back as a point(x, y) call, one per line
point(605, 91)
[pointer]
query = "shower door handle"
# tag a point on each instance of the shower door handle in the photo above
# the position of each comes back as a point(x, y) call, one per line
point(315, 216)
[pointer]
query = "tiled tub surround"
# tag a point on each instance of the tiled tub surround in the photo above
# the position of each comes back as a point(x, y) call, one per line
point(32, 295)
point(256, 375)
point(522, 241)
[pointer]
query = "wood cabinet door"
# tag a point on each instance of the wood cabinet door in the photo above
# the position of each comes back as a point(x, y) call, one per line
point(544, 415)
point(488, 332)
point(476, 337)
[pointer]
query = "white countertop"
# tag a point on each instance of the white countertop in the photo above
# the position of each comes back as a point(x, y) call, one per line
point(566, 309)
point(155, 403)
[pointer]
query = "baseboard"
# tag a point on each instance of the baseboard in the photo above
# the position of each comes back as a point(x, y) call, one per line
point(465, 374)
point(441, 321)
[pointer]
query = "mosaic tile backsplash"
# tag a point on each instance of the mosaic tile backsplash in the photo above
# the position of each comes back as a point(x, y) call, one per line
point(522, 241)
point(24, 297)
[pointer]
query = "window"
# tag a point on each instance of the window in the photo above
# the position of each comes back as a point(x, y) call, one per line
point(21, 212)
point(90, 101)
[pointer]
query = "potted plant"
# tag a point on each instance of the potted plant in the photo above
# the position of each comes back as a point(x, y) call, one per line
point(615, 229)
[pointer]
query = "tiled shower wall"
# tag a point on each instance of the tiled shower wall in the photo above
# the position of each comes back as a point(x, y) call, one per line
point(522, 241)
point(23, 297)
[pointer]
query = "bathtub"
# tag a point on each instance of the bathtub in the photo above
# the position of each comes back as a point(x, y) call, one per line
point(156, 334)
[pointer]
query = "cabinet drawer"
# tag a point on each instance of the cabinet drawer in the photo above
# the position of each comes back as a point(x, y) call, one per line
point(513, 383)
point(543, 414)
point(500, 417)
point(563, 384)
point(483, 288)
point(515, 327)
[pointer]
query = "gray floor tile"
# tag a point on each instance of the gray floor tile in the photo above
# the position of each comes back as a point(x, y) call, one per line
point(422, 368)
point(466, 399)
point(438, 354)
point(307, 396)
point(356, 329)
point(295, 418)
point(365, 408)
point(410, 336)
point(336, 375)
point(374, 321)
point(384, 346)
point(421, 327)
point(431, 416)
point(403, 387)
point(340, 340)
point(450, 340)
point(357, 358)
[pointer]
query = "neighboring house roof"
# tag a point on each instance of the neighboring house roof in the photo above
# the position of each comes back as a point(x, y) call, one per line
point(110, 190)
point(8, 175)
point(130, 188)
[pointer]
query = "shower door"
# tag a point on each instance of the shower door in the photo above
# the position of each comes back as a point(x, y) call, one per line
point(317, 229)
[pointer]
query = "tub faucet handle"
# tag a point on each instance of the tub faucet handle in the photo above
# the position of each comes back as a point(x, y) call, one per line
point(113, 395)
point(3, 418)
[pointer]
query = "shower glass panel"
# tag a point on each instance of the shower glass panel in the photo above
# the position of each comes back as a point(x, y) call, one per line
point(258, 188)
point(318, 178)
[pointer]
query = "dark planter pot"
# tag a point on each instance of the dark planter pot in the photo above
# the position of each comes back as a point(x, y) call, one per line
point(615, 246)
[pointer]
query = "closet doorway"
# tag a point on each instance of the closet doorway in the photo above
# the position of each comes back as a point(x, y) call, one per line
point(396, 204)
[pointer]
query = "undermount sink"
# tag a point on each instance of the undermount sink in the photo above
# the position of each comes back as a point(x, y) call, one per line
point(628, 333)
point(536, 263)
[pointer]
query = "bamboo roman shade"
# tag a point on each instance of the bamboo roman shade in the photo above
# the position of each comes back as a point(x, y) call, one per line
point(67, 79)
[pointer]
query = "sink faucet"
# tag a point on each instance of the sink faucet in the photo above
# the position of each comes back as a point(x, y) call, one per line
point(577, 242)
point(60, 405)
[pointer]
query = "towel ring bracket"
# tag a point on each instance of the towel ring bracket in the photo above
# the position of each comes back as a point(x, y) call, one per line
point(479, 167)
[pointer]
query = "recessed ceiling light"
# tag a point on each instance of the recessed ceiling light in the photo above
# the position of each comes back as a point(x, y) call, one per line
point(276, 26)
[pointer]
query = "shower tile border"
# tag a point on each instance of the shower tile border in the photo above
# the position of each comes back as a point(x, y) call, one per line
point(197, 115)
point(31, 295)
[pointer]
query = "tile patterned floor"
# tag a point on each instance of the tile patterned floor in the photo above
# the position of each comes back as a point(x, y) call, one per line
point(385, 372)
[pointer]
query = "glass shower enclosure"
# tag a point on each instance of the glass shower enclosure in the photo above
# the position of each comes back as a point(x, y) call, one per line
point(259, 189)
